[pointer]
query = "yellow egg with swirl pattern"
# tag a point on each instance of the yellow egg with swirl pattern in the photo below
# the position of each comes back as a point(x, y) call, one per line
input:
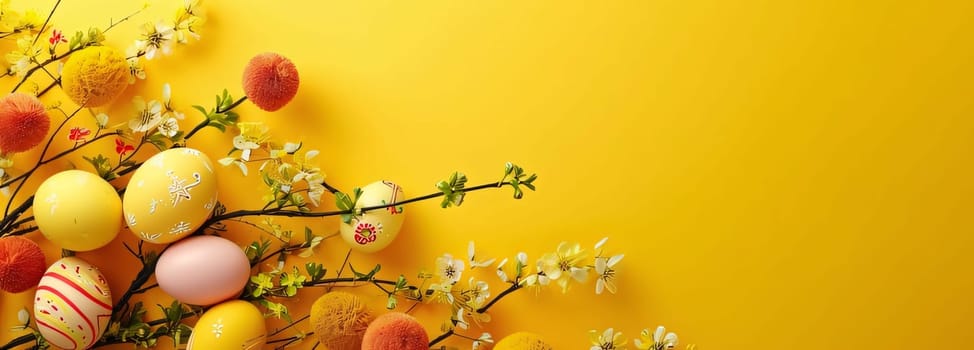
point(170, 196)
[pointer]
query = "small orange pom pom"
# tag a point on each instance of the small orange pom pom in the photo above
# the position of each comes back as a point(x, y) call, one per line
point(21, 264)
point(395, 331)
point(23, 122)
point(270, 81)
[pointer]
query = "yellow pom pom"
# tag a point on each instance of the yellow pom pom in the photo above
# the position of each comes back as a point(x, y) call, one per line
point(95, 76)
point(522, 341)
point(340, 320)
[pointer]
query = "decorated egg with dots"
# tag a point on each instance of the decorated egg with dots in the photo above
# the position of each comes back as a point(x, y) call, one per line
point(77, 210)
point(375, 229)
point(72, 305)
point(235, 324)
point(170, 196)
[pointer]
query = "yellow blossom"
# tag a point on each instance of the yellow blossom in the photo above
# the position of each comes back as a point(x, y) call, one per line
point(21, 58)
point(565, 262)
point(658, 340)
point(252, 135)
point(607, 340)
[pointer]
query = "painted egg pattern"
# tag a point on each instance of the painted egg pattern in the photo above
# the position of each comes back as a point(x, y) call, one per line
point(72, 305)
point(374, 230)
point(170, 196)
point(235, 324)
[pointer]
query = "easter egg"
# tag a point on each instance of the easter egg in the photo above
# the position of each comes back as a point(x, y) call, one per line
point(522, 341)
point(374, 230)
point(170, 196)
point(72, 305)
point(203, 270)
point(77, 210)
point(234, 324)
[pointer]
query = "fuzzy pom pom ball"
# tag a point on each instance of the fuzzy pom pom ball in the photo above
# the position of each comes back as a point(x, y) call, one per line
point(340, 320)
point(270, 81)
point(395, 331)
point(23, 122)
point(95, 76)
point(522, 341)
point(21, 264)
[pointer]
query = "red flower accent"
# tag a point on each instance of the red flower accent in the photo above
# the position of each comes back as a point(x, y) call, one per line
point(57, 37)
point(78, 134)
point(122, 148)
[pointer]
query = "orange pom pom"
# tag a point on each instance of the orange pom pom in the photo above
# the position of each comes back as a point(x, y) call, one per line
point(23, 122)
point(21, 264)
point(395, 331)
point(270, 81)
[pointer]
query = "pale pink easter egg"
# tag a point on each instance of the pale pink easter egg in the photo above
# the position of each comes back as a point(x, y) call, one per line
point(203, 270)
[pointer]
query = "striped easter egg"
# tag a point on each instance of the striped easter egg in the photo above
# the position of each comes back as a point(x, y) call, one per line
point(72, 305)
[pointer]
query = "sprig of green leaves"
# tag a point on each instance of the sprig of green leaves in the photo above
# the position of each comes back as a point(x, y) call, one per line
point(452, 190)
point(220, 117)
point(346, 203)
point(515, 176)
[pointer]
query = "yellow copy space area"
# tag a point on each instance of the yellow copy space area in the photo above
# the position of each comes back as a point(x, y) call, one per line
point(779, 175)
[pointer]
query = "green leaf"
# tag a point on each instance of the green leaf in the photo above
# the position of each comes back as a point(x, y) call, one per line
point(452, 190)
point(76, 40)
point(103, 166)
point(365, 276)
point(315, 271)
point(159, 140)
point(346, 203)
point(202, 110)
point(95, 36)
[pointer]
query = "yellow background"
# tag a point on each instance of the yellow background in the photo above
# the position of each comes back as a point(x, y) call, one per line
point(779, 174)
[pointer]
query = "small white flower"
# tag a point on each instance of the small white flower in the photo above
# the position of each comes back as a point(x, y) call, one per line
point(484, 338)
point(661, 339)
point(606, 273)
point(601, 242)
point(148, 116)
point(101, 120)
point(169, 127)
point(157, 37)
point(472, 255)
point(449, 269)
point(500, 271)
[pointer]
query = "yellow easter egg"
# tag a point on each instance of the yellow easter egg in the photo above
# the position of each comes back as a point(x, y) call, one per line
point(374, 230)
point(72, 305)
point(77, 210)
point(170, 196)
point(234, 324)
point(522, 341)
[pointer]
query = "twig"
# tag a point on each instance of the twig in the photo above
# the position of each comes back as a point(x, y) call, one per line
point(296, 213)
